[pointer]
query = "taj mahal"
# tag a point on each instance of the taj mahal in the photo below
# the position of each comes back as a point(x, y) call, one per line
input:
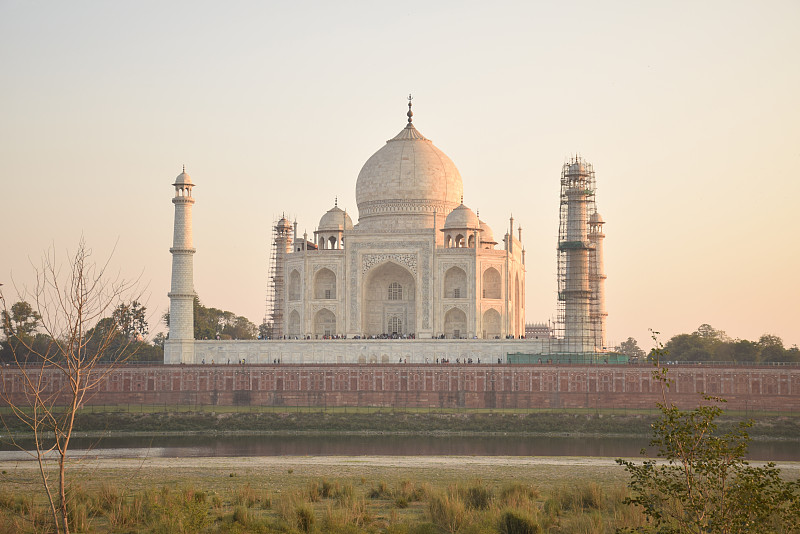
point(419, 278)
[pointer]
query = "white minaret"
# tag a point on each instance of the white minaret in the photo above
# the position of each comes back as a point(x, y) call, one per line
point(598, 279)
point(179, 347)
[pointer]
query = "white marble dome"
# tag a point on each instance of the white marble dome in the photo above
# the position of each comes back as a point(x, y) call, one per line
point(487, 236)
point(462, 218)
point(406, 181)
point(335, 219)
point(183, 179)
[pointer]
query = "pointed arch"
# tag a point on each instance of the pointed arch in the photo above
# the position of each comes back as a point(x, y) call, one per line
point(325, 284)
point(295, 287)
point(324, 323)
point(492, 284)
point(295, 328)
point(389, 291)
point(492, 325)
point(455, 283)
point(455, 323)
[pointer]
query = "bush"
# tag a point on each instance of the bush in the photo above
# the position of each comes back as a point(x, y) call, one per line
point(517, 495)
point(448, 512)
point(476, 497)
point(704, 483)
point(240, 515)
point(516, 522)
point(304, 517)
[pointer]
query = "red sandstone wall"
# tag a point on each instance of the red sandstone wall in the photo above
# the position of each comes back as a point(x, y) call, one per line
point(444, 386)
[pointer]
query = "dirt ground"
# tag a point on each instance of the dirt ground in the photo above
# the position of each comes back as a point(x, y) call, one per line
point(284, 472)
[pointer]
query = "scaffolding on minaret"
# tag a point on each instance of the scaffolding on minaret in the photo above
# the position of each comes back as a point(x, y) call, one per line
point(271, 314)
point(280, 244)
point(581, 317)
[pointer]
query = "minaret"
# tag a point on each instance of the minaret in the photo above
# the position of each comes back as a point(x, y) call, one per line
point(598, 279)
point(283, 246)
point(574, 291)
point(179, 347)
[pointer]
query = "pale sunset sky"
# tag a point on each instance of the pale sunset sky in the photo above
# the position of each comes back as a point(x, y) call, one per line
point(689, 112)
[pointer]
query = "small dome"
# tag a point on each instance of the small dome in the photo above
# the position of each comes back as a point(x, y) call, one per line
point(487, 236)
point(335, 219)
point(462, 218)
point(183, 179)
point(283, 223)
point(596, 218)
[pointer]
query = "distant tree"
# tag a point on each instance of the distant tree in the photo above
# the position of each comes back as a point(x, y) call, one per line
point(20, 329)
point(240, 328)
point(770, 349)
point(689, 347)
point(212, 322)
point(630, 348)
point(265, 330)
point(159, 339)
point(706, 331)
point(21, 320)
point(131, 320)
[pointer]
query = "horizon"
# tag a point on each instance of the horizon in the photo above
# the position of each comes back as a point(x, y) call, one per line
point(687, 112)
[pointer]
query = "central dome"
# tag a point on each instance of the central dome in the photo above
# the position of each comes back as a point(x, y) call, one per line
point(405, 182)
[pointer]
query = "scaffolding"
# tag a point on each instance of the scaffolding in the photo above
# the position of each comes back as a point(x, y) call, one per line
point(580, 321)
point(280, 244)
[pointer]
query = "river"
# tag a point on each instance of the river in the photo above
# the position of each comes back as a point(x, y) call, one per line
point(374, 445)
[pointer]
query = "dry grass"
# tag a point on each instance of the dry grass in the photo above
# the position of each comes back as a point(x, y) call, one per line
point(339, 495)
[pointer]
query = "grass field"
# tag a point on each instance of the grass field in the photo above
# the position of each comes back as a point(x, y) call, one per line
point(331, 494)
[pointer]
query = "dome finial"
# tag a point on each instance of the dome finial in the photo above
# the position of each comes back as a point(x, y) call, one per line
point(410, 113)
point(336, 201)
point(462, 198)
point(184, 167)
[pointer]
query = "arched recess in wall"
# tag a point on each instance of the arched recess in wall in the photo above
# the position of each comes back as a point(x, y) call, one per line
point(324, 323)
point(455, 323)
point(325, 284)
point(388, 298)
point(491, 324)
point(294, 285)
point(492, 284)
point(294, 323)
point(455, 283)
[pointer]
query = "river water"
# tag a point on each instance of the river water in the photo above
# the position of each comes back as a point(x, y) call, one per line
point(375, 445)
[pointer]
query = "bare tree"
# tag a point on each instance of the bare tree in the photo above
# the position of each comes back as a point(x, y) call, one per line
point(47, 383)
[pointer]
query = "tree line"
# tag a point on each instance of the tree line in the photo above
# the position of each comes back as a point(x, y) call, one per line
point(127, 328)
point(120, 337)
point(707, 344)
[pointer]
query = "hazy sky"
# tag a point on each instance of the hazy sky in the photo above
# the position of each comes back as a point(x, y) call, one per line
point(689, 112)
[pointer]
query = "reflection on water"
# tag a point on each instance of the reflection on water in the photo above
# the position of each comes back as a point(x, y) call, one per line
point(379, 445)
